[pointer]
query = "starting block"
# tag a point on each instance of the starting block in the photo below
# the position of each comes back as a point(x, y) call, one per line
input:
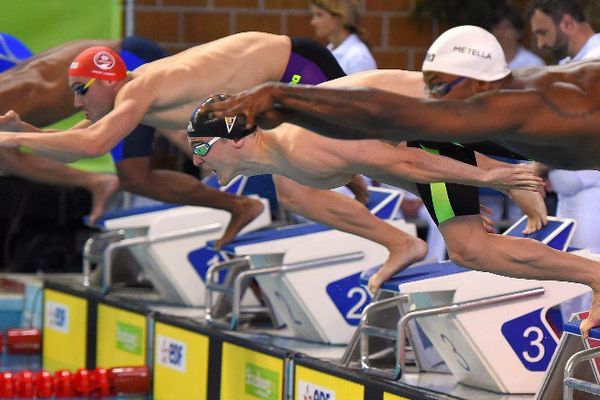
point(168, 242)
point(315, 303)
point(491, 331)
point(444, 290)
point(574, 371)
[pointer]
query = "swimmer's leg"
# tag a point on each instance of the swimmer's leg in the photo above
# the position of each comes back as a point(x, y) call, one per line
point(137, 176)
point(346, 214)
point(41, 169)
point(471, 246)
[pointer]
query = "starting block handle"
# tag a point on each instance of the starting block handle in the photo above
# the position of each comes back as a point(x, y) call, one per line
point(365, 331)
point(137, 241)
point(87, 251)
point(212, 284)
point(292, 267)
point(570, 383)
point(453, 308)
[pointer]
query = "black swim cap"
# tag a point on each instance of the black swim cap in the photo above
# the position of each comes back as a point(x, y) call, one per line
point(229, 128)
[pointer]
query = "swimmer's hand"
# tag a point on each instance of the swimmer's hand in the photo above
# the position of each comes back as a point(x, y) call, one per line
point(486, 220)
point(593, 318)
point(519, 176)
point(532, 203)
point(256, 105)
point(11, 121)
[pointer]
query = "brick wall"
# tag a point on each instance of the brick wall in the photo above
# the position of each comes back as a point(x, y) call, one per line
point(398, 40)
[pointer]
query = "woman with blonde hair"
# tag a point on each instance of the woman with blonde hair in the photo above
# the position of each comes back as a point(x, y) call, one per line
point(337, 21)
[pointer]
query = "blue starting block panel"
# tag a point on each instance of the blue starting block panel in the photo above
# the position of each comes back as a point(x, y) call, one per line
point(556, 234)
point(414, 273)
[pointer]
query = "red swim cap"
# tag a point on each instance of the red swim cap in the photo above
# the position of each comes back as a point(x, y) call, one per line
point(99, 62)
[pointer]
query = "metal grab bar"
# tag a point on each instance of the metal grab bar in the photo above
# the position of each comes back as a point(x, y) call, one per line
point(316, 263)
point(87, 250)
point(163, 237)
point(212, 285)
point(240, 280)
point(570, 383)
point(365, 330)
point(451, 308)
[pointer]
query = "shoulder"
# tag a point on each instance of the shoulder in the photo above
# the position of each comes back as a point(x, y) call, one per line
point(408, 83)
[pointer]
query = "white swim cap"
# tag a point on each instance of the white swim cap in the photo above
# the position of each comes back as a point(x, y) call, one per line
point(467, 51)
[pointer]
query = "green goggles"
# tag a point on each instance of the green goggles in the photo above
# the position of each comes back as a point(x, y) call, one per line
point(201, 149)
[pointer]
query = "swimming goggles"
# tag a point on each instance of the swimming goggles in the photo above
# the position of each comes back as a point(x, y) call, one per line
point(82, 88)
point(201, 149)
point(441, 89)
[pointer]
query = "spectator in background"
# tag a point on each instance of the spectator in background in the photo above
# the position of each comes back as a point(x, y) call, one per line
point(507, 25)
point(561, 27)
point(337, 21)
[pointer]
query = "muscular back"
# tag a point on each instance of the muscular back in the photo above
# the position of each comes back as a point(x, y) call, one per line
point(562, 126)
point(178, 83)
point(37, 88)
point(323, 162)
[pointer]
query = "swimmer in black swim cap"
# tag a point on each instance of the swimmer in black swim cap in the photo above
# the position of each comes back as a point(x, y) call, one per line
point(201, 125)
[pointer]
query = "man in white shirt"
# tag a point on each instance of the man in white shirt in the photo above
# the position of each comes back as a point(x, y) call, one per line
point(560, 27)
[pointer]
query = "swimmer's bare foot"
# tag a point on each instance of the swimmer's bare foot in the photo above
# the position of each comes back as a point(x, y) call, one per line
point(242, 214)
point(102, 187)
point(593, 318)
point(401, 256)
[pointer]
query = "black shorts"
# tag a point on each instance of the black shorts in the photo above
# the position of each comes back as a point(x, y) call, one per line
point(137, 51)
point(139, 143)
point(310, 63)
point(494, 150)
point(448, 200)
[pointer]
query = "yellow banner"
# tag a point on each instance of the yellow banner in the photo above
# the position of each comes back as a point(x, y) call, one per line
point(65, 331)
point(250, 375)
point(121, 337)
point(180, 363)
point(312, 384)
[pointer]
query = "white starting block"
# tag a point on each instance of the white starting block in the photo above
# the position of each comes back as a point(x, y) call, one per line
point(493, 332)
point(310, 274)
point(169, 244)
point(574, 372)
point(317, 288)
point(454, 287)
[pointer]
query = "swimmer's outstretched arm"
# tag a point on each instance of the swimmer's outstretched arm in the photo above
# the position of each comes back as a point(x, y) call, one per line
point(365, 113)
point(386, 162)
point(92, 141)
